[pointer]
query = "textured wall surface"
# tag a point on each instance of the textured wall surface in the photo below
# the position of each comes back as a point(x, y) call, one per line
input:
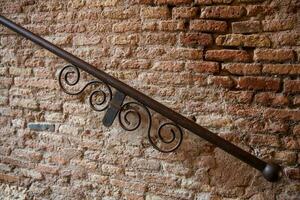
point(233, 65)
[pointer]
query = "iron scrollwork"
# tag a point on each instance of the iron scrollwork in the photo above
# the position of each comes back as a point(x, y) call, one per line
point(99, 98)
point(168, 136)
point(160, 141)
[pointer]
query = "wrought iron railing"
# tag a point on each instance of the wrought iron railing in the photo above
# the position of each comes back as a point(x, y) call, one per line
point(69, 77)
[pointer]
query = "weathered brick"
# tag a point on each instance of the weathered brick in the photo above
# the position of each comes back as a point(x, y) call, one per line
point(296, 100)
point(239, 96)
point(130, 39)
point(282, 69)
point(155, 12)
point(273, 55)
point(246, 27)
point(291, 86)
point(228, 55)
point(111, 169)
point(173, 2)
point(264, 140)
point(184, 12)
point(134, 186)
point(284, 114)
point(120, 12)
point(277, 25)
point(202, 66)
point(24, 103)
point(144, 164)
point(296, 130)
point(40, 126)
point(201, 39)
point(221, 81)
point(20, 71)
point(286, 157)
point(172, 66)
point(126, 26)
point(184, 53)
point(158, 39)
point(243, 40)
point(150, 26)
point(86, 40)
point(32, 174)
point(171, 25)
point(271, 99)
point(47, 169)
point(5, 82)
point(258, 83)
point(35, 82)
point(134, 64)
point(242, 68)
point(222, 12)
point(9, 178)
point(293, 173)
point(208, 25)
point(209, 2)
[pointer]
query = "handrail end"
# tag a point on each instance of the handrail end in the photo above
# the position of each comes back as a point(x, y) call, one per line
point(272, 172)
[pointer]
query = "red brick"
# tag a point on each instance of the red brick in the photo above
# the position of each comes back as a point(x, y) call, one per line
point(209, 2)
point(222, 12)
point(246, 27)
point(208, 26)
point(203, 67)
point(155, 12)
point(271, 99)
point(173, 2)
point(291, 86)
point(284, 114)
point(291, 143)
point(258, 83)
point(172, 66)
point(184, 53)
point(201, 39)
point(282, 69)
point(171, 25)
point(273, 55)
point(228, 55)
point(238, 96)
point(222, 81)
point(242, 68)
point(184, 12)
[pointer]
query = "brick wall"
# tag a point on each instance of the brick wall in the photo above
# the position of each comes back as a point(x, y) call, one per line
point(231, 64)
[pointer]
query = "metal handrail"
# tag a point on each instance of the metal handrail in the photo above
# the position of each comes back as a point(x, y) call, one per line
point(270, 171)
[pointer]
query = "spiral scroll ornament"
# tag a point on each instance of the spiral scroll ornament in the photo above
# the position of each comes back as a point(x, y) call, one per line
point(100, 96)
point(167, 138)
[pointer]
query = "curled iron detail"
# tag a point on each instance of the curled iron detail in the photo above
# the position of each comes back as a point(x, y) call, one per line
point(174, 142)
point(64, 78)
